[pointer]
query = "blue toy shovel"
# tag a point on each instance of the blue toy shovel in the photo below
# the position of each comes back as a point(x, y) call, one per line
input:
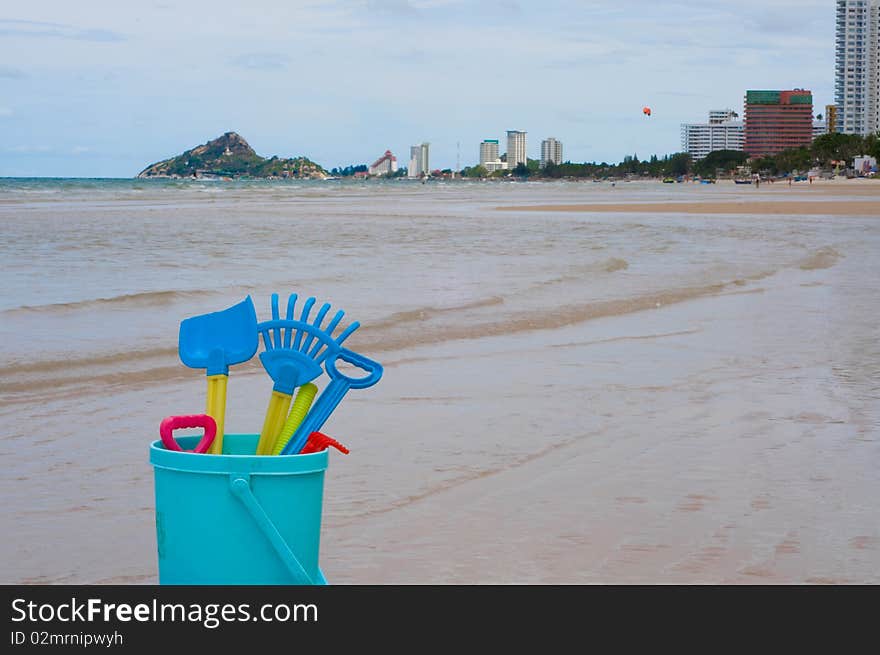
point(295, 350)
point(333, 394)
point(214, 342)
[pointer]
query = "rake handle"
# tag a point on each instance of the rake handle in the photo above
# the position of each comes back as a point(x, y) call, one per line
point(279, 403)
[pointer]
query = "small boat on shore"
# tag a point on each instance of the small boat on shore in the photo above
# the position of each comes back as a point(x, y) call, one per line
point(742, 181)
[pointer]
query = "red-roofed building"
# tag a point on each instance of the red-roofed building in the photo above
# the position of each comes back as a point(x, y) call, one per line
point(386, 164)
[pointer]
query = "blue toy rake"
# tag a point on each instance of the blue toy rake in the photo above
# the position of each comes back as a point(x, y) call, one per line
point(295, 350)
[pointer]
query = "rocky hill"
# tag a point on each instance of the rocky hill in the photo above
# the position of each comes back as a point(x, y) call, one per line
point(231, 156)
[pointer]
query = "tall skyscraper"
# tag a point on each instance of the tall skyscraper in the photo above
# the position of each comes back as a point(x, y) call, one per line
point(551, 151)
point(777, 120)
point(488, 151)
point(418, 161)
point(516, 148)
point(722, 132)
point(857, 67)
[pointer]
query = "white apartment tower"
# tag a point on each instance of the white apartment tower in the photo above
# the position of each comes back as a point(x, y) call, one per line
point(857, 67)
point(488, 151)
point(722, 132)
point(551, 151)
point(516, 148)
point(418, 161)
point(489, 158)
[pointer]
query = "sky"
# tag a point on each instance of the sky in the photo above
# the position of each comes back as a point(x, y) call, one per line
point(103, 89)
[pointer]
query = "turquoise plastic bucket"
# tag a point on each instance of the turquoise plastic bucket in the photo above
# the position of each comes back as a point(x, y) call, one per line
point(237, 518)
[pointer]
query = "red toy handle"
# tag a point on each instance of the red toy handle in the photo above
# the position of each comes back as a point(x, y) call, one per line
point(319, 441)
point(172, 423)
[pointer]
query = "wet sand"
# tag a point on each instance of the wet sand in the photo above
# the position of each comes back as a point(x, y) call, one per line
point(789, 208)
point(822, 198)
point(567, 397)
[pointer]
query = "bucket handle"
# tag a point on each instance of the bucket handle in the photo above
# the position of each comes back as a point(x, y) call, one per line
point(241, 488)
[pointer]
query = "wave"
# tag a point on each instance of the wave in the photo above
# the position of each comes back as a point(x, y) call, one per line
point(90, 362)
point(820, 259)
point(144, 299)
point(372, 339)
point(615, 264)
point(422, 314)
point(422, 326)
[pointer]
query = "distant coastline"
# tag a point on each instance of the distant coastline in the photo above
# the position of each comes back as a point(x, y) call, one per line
point(230, 157)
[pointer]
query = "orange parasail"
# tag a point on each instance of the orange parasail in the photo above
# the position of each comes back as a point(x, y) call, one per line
point(646, 111)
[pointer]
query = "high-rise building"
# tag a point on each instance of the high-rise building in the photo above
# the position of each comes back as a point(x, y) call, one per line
point(830, 118)
point(719, 116)
point(722, 132)
point(385, 165)
point(488, 151)
point(516, 148)
point(857, 67)
point(418, 161)
point(777, 120)
point(551, 151)
point(489, 158)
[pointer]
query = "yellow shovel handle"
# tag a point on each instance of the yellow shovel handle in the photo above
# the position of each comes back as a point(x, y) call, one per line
point(279, 403)
point(217, 409)
point(301, 405)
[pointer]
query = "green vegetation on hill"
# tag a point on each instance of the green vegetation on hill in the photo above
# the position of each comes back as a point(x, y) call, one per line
point(231, 156)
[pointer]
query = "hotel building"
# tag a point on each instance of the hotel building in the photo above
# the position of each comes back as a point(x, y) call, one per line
point(489, 158)
point(777, 120)
point(418, 161)
point(857, 67)
point(516, 148)
point(551, 152)
point(385, 165)
point(722, 132)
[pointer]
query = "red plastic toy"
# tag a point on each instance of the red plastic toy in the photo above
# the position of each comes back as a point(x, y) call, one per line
point(319, 441)
point(172, 423)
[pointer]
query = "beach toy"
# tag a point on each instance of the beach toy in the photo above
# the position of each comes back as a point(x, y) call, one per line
point(237, 518)
point(304, 398)
point(171, 423)
point(214, 342)
point(294, 352)
point(319, 441)
point(333, 394)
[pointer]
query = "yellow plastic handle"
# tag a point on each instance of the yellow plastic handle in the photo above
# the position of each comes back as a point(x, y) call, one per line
point(279, 403)
point(301, 405)
point(217, 409)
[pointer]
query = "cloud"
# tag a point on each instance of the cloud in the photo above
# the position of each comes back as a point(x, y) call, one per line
point(79, 150)
point(262, 61)
point(38, 29)
point(5, 112)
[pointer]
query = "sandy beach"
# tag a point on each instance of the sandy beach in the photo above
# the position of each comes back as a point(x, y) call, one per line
point(570, 395)
point(823, 197)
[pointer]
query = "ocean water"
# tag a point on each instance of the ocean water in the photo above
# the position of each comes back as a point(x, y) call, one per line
point(568, 397)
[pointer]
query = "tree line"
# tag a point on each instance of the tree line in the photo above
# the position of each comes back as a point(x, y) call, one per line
point(828, 151)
